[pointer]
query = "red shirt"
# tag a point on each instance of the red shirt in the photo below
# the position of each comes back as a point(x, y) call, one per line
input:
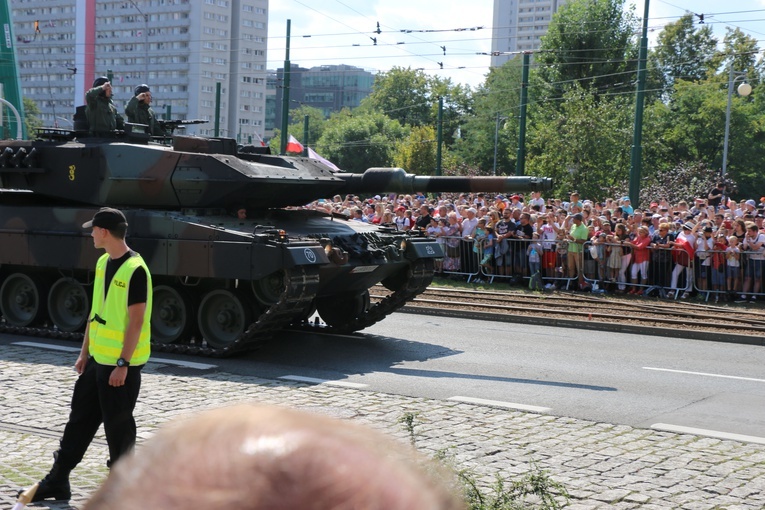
point(641, 253)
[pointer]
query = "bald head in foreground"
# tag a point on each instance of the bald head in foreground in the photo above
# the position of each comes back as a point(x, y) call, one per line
point(258, 458)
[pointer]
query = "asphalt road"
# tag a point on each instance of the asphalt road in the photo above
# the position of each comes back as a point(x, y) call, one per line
point(712, 388)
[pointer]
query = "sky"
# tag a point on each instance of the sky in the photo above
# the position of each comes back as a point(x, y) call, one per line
point(412, 32)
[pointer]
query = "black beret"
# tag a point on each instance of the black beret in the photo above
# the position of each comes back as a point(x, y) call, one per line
point(141, 88)
point(100, 81)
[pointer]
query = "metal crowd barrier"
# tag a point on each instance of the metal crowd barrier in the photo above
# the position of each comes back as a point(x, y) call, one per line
point(719, 275)
point(669, 272)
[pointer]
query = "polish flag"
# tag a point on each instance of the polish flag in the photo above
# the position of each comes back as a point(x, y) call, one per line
point(314, 155)
point(293, 145)
point(259, 139)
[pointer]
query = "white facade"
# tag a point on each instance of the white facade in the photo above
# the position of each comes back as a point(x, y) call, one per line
point(181, 48)
point(519, 26)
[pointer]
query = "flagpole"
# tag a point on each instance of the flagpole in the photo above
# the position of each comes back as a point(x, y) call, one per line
point(286, 93)
point(305, 135)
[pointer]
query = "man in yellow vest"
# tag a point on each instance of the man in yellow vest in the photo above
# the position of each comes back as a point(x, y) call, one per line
point(114, 350)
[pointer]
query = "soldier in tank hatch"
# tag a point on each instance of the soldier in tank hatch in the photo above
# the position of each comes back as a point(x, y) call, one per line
point(139, 111)
point(102, 115)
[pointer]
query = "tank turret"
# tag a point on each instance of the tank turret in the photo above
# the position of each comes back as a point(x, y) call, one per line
point(396, 180)
point(222, 282)
point(200, 172)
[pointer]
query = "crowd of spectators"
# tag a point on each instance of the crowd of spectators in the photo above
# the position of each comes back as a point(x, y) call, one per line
point(713, 246)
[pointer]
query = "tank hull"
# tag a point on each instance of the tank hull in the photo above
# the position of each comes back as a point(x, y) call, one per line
point(221, 284)
point(196, 254)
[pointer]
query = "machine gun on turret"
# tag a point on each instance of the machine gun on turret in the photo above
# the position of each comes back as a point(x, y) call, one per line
point(171, 125)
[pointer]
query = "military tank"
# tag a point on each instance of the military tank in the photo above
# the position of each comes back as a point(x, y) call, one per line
point(221, 284)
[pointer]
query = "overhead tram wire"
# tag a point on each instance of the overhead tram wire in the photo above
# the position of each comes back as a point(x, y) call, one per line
point(441, 66)
point(714, 14)
point(422, 41)
point(339, 22)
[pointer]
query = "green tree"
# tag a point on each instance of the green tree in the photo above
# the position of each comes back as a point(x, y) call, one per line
point(589, 43)
point(495, 112)
point(458, 106)
point(417, 152)
point(403, 95)
point(740, 50)
point(31, 117)
point(684, 51)
point(583, 144)
point(689, 132)
point(360, 140)
point(316, 123)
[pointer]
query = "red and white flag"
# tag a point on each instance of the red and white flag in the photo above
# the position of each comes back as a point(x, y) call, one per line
point(293, 145)
point(259, 139)
point(314, 155)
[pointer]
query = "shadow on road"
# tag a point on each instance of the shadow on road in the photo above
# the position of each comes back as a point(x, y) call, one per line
point(436, 374)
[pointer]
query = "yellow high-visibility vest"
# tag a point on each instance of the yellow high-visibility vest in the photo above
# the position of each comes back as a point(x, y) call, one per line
point(109, 317)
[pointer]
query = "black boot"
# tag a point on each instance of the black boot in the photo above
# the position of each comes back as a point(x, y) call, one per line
point(55, 485)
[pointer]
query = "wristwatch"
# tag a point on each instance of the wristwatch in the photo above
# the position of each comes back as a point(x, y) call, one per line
point(122, 362)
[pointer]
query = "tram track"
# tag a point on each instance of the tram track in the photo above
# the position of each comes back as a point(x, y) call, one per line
point(720, 322)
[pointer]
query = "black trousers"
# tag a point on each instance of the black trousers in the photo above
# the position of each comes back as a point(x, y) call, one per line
point(95, 402)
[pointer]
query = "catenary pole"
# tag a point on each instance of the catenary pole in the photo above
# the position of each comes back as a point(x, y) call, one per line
point(439, 134)
point(636, 161)
point(286, 94)
point(520, 160)
point(305, 135)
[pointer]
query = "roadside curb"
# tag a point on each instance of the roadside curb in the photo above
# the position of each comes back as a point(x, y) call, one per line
point(591, 325)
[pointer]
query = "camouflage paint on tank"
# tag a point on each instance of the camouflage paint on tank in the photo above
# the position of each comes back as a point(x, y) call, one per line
point(178, 200)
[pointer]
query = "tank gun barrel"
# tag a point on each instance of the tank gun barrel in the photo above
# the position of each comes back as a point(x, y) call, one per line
point(397, 180)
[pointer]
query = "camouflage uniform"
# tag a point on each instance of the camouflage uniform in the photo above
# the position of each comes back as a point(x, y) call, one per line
point(139, 112)
point(101, 112)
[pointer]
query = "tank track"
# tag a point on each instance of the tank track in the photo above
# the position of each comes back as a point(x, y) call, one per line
point(419, 277)
point(301, 285)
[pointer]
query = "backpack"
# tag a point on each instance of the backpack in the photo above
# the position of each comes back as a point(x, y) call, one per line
point(535, 281)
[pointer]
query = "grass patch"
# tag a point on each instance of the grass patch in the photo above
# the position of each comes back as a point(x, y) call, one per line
point(534, 490)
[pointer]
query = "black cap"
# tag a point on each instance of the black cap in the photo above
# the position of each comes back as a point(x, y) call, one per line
point(100, 81)
point(140, 88)
point(579, 216)
point(107, 218)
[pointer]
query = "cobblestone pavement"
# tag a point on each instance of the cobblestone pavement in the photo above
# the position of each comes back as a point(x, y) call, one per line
point(601, 465)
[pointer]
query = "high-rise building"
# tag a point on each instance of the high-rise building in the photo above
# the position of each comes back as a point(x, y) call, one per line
point(183, 49)
point(329, 88)
point(519, 25)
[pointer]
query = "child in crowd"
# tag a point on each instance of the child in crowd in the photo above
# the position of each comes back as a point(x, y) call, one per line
point(733, 264)
point(479, 236)
point(614, 251)
point(718, 265)
point(489, 243)
point(432, 229)
point(534, 253)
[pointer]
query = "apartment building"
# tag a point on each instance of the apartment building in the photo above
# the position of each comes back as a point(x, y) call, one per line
point(181, 48)
point(519, 26)
point(329, 88)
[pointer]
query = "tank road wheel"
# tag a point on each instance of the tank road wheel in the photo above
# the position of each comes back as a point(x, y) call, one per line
point(21, 301)
point(172, 315)
point(340, 310)
point(269, 290)
point(223, 317)
point(68, 305)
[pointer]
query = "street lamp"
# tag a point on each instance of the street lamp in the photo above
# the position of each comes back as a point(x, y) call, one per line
point(496, 140)
point(743, 90)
